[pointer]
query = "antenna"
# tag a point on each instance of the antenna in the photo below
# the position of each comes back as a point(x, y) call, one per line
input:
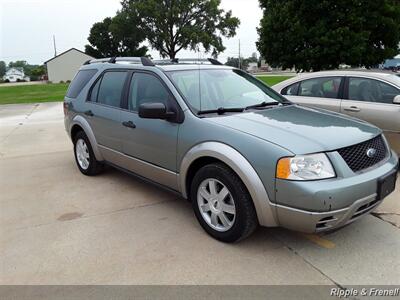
point(239, 57)
point(55, 47)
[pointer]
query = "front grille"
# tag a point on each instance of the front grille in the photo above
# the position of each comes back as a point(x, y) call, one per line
point(357, 158)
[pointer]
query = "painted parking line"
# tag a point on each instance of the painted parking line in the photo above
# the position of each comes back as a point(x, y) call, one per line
point(316, 239)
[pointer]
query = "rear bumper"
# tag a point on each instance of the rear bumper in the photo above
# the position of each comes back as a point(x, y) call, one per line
point(309, 221)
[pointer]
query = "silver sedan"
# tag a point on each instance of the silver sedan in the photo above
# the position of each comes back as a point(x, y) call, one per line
point(373, 96)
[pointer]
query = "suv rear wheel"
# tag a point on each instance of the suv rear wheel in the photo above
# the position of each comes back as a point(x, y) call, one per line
point(222, 203)
point(84, 156)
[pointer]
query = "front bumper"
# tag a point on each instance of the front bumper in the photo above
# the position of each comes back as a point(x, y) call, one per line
point(329, 204)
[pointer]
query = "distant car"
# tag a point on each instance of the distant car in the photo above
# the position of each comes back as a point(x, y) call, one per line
point(372, 96)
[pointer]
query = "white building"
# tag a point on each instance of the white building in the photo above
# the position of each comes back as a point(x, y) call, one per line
point(15, 74)
point(252, 67)
point(64, 66)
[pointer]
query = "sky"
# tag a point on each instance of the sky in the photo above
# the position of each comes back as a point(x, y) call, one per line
point(27, 27)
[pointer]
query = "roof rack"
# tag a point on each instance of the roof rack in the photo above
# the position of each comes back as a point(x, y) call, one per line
point(145, 61)
point(187, 61)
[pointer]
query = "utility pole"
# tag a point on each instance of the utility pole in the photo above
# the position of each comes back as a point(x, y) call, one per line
point(54, 43)
point(239, 56)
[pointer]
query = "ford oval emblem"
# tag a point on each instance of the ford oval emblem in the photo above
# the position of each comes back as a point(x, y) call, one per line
point(371, 152)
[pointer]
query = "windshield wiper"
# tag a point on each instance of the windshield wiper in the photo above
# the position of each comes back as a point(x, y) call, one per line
point(221, 110)
point(263, 104)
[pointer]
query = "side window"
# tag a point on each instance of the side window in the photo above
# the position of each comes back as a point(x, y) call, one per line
point(79, 82)
point(326, 87)
point(146, 88)
point(291, 90)
point(95, 91)
point(370, 90)
point(111, 87)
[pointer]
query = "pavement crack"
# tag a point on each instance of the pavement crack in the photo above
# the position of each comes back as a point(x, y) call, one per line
point(310, 264)
point(380, 216)
point(19, 124)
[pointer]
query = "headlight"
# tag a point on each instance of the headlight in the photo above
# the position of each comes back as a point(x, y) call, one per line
point(305, 167)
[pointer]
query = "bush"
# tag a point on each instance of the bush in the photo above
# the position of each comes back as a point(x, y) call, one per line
point(6, 81)
point(62, 81)
point(68, 81)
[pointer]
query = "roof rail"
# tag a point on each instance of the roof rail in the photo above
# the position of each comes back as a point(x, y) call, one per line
point(187, 61)
point(136, 60)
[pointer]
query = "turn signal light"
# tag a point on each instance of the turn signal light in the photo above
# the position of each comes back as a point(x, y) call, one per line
point(283, 168)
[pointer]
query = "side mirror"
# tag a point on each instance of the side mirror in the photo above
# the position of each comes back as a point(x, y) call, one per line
point(396, 99)
point(154, 110)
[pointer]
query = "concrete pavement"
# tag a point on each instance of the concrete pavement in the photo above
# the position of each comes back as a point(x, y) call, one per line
point(60, 227)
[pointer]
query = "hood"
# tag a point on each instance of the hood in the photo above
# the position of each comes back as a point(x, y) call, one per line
point(301, 130)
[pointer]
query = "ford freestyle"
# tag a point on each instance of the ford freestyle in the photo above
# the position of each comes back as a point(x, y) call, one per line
point(240, 152)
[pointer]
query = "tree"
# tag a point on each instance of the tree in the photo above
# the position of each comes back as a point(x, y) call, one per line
point(17, 64)
point(118, 36)
point(173, 25)
point(234, 62)
point(3, 68)
point(316, 35)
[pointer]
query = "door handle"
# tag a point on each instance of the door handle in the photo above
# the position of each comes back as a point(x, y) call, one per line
point(89, 113)
point(129, 124)
point(352, 108)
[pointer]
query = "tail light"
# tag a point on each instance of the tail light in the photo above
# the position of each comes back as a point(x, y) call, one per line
point(65, 106)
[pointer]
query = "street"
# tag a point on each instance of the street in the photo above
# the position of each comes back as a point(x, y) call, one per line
point(60, 227)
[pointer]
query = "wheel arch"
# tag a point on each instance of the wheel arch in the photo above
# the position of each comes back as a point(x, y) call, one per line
point(210, 152)
point(79, 123)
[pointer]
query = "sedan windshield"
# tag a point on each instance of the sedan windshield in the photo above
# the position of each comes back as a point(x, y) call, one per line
point(223, 89)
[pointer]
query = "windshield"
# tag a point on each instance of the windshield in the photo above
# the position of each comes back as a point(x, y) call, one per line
point(221, 88)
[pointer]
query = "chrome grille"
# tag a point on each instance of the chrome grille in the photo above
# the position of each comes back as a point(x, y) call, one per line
point(359, 157)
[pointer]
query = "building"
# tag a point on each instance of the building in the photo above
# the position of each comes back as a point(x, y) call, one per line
point(252, 67)
point(64, 66)
point(15, 75)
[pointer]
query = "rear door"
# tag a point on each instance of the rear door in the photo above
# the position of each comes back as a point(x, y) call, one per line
point(372, 100)
point(104, 109)
point(321, 92)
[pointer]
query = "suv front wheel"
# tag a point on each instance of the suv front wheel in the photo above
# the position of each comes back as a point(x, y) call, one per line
point(84, 156)
point(222, 203)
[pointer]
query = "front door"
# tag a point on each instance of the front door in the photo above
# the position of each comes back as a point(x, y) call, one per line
point(151, 143)
point(372, 100)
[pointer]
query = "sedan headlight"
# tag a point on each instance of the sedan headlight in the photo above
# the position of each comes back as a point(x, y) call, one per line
point(305, 167)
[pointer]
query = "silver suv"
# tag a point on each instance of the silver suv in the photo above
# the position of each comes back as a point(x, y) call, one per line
point(240, 152)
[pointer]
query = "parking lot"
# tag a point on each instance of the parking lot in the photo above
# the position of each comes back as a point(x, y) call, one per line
point(60, 227)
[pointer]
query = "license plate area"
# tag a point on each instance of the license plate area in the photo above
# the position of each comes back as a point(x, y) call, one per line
point(387, 185)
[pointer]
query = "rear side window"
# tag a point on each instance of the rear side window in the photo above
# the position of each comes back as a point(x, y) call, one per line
point(111, 87)
point(325, 87)
point(291, 90)
point(79, 82)
point(95, 91)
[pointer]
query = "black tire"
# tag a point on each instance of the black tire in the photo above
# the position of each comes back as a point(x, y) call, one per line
point(94, 167)
point(245, 221)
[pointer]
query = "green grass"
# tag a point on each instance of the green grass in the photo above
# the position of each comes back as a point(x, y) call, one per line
point(272, 80)
point(33, 93)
